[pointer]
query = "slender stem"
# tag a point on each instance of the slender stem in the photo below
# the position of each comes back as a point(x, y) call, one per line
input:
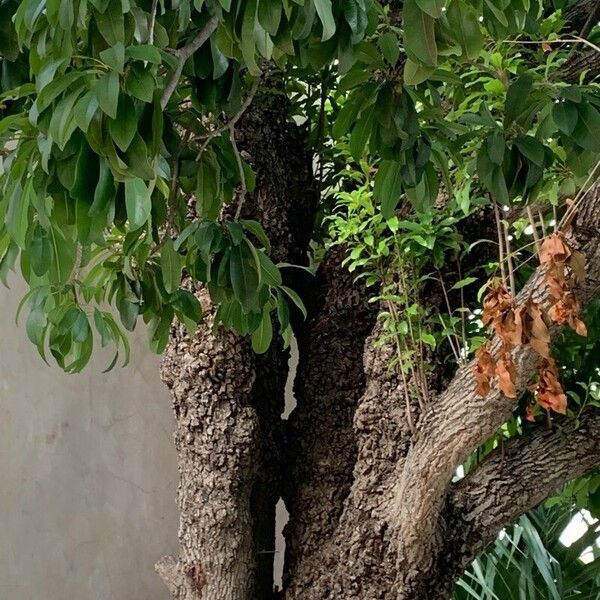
point(418, 382)
point(500, 242)
point(449, 307)
point(574, 40)
point(542, 223)
point(183, 54)
point(463, 322)
point(533, 226)
point(240, 165)
point(152, 21)
point(455, 352)
point(509, 260)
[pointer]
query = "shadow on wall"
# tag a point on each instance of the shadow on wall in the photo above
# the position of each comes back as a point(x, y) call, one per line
point(88, 473)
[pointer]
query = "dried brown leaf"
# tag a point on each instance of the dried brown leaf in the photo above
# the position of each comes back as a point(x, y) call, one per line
point(506, 373)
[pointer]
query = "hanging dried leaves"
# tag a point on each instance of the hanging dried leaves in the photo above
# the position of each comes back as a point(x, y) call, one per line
point(535, 330)
point(527, 323)
point(548, 391)
point(484, 370)
point(507, 375)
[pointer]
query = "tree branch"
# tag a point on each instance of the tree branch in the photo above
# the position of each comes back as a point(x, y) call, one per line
point(460, 421)
point(516, 478)
point(183, 54)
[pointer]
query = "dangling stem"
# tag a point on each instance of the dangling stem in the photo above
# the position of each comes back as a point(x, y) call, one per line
point(542, 222)
point(500, 242)
point(511, 271)
point(533, 225)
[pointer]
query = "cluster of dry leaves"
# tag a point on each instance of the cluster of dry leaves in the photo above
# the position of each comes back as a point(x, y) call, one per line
point(518, 324)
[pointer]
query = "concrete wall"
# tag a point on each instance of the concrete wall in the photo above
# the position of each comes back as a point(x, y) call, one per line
point(88, 474)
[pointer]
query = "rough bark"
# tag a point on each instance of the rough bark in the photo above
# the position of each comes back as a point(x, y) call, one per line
point(580, 16)
point(228, 402)
point(322, 447)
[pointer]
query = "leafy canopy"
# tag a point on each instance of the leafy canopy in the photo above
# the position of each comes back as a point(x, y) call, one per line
point(120, 171)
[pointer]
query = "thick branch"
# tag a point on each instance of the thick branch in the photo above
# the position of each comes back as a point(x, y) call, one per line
point(322, 445)
point(459, 421)
point(517, 477)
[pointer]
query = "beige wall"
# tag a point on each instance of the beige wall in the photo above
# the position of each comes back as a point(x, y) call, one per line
point(87, 474)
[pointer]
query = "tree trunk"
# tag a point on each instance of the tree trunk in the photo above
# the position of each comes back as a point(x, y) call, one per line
point(228, 401)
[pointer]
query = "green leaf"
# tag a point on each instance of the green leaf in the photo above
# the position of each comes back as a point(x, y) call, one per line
point(55, 88)
point(463, 283)
point(324, 10)
point(106, 336)
point(295, 298)
point(187, 308)
point(144, 52)
point(428, 339)
point(105, 190)
point(107, 93)
point(270, 273)
point(17, 215)
point(171, 263)
point(140, 83)
point(40, 251)
point(464, 28)
point(361, 132)
point(419, 34)
point(114, 57)
point(517, 97)
point(390, 47)
point(269, 15)
point(124, 127)
point(244, 275)
point(531, 149)
point(262, 336)
point(565, 116)
point(248, 40)
point(415, 73)
point(388, 187)
point(137, 202)
point(495, 147)
point(84, 110)
point(434, 8)
point(586, 133)
point(208, 198)
point(111, 23)
point(256, 229)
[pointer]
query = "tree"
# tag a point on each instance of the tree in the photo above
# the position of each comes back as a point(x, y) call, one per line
point(236, 173)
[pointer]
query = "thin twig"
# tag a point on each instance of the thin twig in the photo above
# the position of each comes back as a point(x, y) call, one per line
point(574, 40)
point(449, 307)
point(500, 242)
point(183, 54)
point(509, 260)
point(462, 307)
point(542, 222)
point(534, 230)
point(152, 22)
point(240, 165)
point(231, 123)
